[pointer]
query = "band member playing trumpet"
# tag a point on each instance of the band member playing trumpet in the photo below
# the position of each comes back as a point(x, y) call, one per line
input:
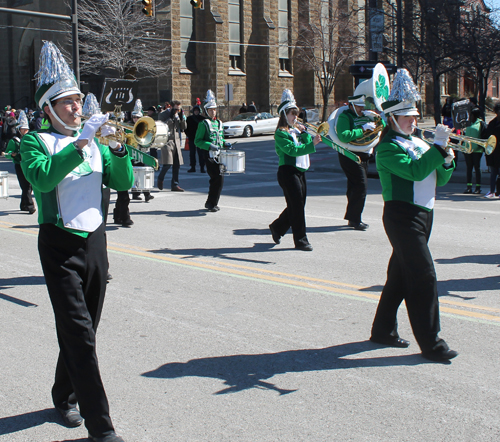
point(293, 146)
point(67, 169)
point(409, 171)
point(352, 124)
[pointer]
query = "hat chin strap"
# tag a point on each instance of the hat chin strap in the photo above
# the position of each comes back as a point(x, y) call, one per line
point(399, 127)
point(66, 126)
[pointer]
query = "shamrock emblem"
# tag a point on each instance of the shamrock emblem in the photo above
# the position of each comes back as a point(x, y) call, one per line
point(381, 89)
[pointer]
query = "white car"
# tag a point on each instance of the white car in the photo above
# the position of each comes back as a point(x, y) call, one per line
point(250, 123)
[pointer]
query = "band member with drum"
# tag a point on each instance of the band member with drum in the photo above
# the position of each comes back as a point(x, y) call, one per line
point(210, 138)
point(293, 146)
point(409, 170)
point(67, 169)
point(27, 204)
point(353, 124)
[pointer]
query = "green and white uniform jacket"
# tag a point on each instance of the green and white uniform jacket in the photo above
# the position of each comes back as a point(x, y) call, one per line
point(209, 132)
point(410, 169)
point(293, 148)
point(13, 148)
point(67, 181)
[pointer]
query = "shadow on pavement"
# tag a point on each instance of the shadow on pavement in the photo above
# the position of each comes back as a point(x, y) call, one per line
point(266, 231)
point(242, 372)
point(12, 424)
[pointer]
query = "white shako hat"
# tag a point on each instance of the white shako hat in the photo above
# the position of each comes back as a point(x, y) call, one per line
point(210, 102)
point(22, 121)
point(358, 100)
point(55, 78)
point(137, 112)
point(287, 101)
point(90, 106)
point(403, 96)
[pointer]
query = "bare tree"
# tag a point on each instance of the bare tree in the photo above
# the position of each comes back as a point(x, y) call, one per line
point(114, 35)
point(431, 36)
point(328, 38)
point(479, 49)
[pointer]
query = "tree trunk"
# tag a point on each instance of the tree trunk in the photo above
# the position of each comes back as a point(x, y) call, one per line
point(437, 98)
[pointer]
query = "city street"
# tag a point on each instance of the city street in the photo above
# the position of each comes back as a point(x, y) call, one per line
point(211, 332)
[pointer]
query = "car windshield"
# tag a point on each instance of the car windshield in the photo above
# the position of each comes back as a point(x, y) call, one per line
point(247, 116)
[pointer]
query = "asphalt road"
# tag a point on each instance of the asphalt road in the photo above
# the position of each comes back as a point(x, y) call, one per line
point(210, 332)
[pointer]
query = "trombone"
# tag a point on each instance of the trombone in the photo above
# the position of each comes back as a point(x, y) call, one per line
point(322, 129)
point(465, 143)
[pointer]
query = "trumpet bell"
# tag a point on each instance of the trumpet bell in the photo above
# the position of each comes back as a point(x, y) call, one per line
point(144, 131)
point(491, 143)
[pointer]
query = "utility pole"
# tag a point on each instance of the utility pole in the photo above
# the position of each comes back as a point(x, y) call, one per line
point(399, 33)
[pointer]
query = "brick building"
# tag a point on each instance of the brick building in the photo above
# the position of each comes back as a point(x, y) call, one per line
point(242, 43)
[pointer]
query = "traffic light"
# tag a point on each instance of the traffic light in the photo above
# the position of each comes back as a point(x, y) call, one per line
point(149, 8)
point(198, 4)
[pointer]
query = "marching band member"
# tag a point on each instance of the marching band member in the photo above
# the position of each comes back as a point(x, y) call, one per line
point(27, 204)
point(210, 138)
point(353, 124)
point(67, 169)
point(293, 146)
point(409, 171)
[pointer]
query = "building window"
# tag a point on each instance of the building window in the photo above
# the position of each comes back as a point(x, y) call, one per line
point(284, 35)
point(494, 87)
point(235, 28)
point(188, 48)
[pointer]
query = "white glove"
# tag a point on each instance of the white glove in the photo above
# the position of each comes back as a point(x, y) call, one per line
point(369, 126)
point(451, 156)
point(107, 130)
point(442, 135)
point(92, 125)
point(213, 147)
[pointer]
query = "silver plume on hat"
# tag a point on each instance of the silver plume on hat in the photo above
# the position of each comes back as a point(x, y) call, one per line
point(22, 121)
point(403, 88)
point(53, 66)
point(91, 106)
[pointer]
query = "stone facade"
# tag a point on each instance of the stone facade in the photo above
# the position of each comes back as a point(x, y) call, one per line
point(259, 79)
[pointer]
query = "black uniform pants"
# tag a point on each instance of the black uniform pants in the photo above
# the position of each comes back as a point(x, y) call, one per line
point(26, 198)
point(473, 161)
point(293, 183)
point(192, 155)
point(410, 275)
point(75, 271)
point(121, 212)
point(357, 185)
point(216, 180)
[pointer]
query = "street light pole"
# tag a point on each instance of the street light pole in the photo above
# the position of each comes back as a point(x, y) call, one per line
point(399, 35)
point(74, 32)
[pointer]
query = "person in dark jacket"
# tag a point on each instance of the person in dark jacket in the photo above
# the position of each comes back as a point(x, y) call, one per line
point(192, 126)
point(493, 160)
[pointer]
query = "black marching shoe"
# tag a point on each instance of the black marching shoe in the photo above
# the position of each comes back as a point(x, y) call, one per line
point(358, 226)
point(304, 247)
point(113, 437)
point(276, 236)
point(440, 355)
point(202, 170)
point(71, 417)
point(136, 196)
point(468, 190)
point(390, 341)
point(478, 190)
point(192, 170)
point(148, 197)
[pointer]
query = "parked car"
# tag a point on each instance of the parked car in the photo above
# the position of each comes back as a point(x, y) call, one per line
point(250, 123)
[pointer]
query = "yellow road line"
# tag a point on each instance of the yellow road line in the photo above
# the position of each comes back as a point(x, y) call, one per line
point(276, 277)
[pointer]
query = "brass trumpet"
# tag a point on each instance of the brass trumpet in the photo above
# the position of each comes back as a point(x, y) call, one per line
point(320, 129)
point(465, 142)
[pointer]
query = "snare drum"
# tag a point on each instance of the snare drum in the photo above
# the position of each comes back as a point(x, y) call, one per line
point(4, 184)
point(233, 161)
point(144, 178)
